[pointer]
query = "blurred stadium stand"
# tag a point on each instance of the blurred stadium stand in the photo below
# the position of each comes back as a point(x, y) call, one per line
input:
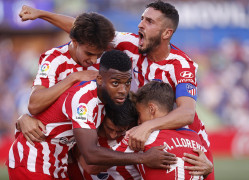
point(215, 34)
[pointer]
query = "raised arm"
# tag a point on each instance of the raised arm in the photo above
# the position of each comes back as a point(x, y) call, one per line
point(59, 20)
point(87, 143)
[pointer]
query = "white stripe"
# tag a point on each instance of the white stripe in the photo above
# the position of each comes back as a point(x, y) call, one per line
point(20, 150)
point(46, 153)
point(124, 37)
point(31, 157)
point(11, 157)
point(152, 137)
point(58, 150)
point(51, 126)
point(179, 58)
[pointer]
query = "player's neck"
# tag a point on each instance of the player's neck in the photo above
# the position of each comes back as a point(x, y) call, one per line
point(159, 53)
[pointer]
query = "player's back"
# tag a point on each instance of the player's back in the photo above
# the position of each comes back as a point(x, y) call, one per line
point(177, 142)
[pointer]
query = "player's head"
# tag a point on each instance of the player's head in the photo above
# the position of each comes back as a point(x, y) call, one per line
point(91, 34)
point(155, 99)
point(117, 121)
point(158, 23)
point(114, 77)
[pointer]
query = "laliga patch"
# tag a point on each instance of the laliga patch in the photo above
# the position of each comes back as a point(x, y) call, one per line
point(44, 69)
point(191, 89)
point(81, 113)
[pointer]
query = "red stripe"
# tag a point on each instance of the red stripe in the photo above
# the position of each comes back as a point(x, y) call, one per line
point(123, 172)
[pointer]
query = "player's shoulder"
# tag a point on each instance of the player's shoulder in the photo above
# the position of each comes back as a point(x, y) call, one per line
point(56, 53)
point(178, 54)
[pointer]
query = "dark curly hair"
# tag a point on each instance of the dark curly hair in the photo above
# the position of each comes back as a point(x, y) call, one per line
point(115, 59)
point(93, 29)
point(168, 10)
point(158, 92)
point(124, 115)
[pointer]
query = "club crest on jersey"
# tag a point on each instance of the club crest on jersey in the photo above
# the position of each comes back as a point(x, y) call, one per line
point(44, 69)
point(191, 89)
point(187, 74)
point(103, 175)
point(82, 112)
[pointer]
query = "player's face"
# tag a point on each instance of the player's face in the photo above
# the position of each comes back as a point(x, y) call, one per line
point(143, 113)
point(111, 131)
point(86, 55)
point(150, 30)
point(116, 85)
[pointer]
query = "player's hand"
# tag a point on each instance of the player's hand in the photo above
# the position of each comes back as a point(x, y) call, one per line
point(156, 157)
point(32, 129)
point(85, 75)
point(29, 13)
point(202, 166)
point(138, 136)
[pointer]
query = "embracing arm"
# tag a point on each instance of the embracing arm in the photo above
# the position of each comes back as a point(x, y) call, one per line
point(181, 116)
point(41, 97)
point(59, 20)
point(87, 142)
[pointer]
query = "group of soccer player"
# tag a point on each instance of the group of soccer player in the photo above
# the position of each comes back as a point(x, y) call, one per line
point(85, 122)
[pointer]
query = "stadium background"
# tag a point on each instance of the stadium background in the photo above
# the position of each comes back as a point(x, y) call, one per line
point(215, 34)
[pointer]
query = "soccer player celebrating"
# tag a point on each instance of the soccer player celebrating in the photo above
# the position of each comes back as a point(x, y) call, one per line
point(110, 133)
point(74, 117)
point(153, 58)
point(154, 100)
point(61, 67)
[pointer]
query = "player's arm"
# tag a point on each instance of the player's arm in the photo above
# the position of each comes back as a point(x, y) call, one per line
point(59, 20)
point(87, 143)
point(41, 97)
point(181, 116)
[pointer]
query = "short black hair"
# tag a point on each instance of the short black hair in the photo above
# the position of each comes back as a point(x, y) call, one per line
point(158, 92)
point(93, 29)
point(125, 115)
point(168, 10)
point(115, 59)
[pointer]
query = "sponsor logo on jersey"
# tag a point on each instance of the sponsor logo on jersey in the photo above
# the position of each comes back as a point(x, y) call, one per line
point(136, 71)
point(191, 89)
point(187, 74)
point(124, 33)
point(65, 140)
point(82, 112)
point(103, 175)
point(186, 81)
point(159, 80)
point(44, 69)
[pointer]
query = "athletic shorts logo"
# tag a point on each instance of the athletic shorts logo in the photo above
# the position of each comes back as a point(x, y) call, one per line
point(187, 74)
point(82, 112)
point(191, 89)
point(44, 69)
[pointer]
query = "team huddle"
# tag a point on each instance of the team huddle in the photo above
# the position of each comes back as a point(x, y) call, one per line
point(85, 123)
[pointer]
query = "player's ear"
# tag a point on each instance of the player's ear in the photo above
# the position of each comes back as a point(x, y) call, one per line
point(74, 42)
point(167, 33)
point(152, 108)
point(99, 79)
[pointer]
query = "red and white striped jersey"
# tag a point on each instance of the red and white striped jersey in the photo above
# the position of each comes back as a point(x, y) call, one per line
point(177, 142)
point(78, 107)
point(177, 69)
point(56, 64)
point(129, 172)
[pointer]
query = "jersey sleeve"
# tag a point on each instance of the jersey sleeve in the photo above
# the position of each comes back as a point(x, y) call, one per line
point(80, 108)
point(46, 75)
point(185, 78)
point(125, 41)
